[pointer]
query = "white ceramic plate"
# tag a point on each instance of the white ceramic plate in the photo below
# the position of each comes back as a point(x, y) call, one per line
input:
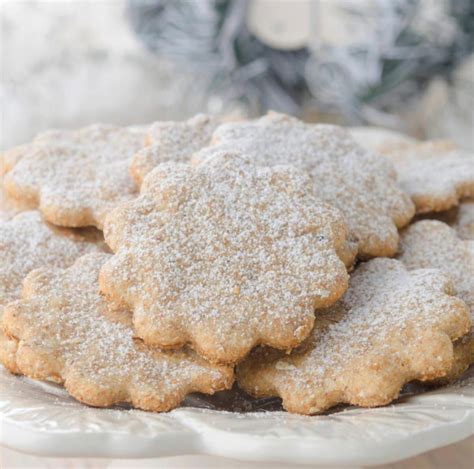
point(42, 419)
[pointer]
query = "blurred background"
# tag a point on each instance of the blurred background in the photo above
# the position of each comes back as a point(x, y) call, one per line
point(402, 64)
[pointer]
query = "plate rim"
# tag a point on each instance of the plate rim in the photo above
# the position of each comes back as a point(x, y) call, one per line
point(196, 435)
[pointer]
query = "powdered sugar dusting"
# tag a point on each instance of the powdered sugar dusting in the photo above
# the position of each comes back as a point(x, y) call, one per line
point(172, 141)
point(27, 243)
point(380, 140)
point(433, 244)
point(78, 339)
point(460, 218)
point(224, 255)
point(344, 175)
point(436, 174)
point(76, 177)
point(385, 331)
point(9, 158)
point(7, 210)
point(464, 223)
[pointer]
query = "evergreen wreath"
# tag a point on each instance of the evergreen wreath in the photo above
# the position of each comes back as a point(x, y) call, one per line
point(408, 50)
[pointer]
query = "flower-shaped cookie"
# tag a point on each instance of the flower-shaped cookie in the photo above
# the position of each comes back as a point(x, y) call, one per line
point(380, 140)
point(392, 326)
point(172, 141)
point(363, 186)
point(7, 210)
point(436, 174)
point(464, 223)
point(67, 333)
point(27, 243)
point(9, 158)
point(433, 244)
point(225, 255)
point(75, 177)
point(460, 218)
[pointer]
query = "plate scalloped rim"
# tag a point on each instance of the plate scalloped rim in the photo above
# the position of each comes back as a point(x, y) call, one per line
point(41, 419)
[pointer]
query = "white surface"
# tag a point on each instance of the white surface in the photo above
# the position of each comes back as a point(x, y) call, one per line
point(10, 459)
point(41, 419)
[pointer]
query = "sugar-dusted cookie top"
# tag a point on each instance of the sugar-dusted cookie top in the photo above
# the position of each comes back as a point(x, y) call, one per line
point(436, 174)
point(172, 141)
point(224, 255)
point(379, 139)
point(459, 217)
point(27, 243)
point(360, 184)
point(68, 333)
point(75, 177)
point(7, 210)
point(433, 244)
point(392, 326)
point(464, 223)
point(10, 157)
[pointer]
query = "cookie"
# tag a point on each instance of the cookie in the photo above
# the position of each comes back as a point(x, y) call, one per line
point(460, 217)
point(224, 256)
point(380, 140)
point(392, 326)
point(433, 244)
point(7, 210)
point(172, 141)
point(67, 333)
point(436, 174)
point(26, 243)
point(348, 252)
point(464, 222)
point(9, 158)
point(360, 184)
point(75, 177)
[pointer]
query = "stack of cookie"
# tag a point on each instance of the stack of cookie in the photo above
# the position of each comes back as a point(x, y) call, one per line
point(142, 264)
